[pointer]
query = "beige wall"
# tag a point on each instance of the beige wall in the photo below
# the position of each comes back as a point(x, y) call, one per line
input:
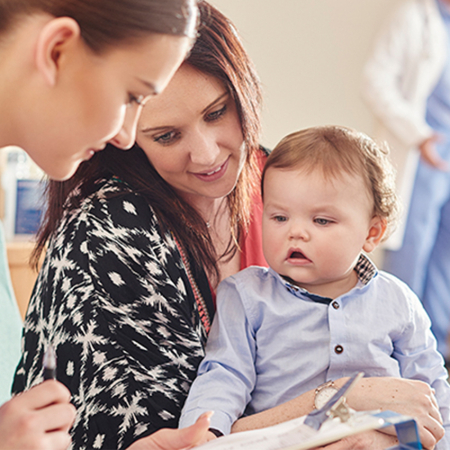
point(309, 55)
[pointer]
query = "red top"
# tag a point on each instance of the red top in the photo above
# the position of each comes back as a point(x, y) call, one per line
point(251, 244)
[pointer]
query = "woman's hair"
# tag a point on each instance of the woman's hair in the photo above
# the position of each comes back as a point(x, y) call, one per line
point(108, 23)
point(336, 150)
point(217, 51)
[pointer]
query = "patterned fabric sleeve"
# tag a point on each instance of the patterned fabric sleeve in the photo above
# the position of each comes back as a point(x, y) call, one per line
point(113, 298)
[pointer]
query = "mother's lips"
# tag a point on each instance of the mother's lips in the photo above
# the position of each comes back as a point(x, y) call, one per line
point(212, 172)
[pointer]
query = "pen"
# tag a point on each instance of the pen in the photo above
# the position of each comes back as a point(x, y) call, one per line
point(49, 363)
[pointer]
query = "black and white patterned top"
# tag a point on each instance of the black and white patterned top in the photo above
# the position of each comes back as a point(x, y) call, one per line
point(114, 299)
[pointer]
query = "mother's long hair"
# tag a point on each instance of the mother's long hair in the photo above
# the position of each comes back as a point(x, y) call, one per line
point(217, 51)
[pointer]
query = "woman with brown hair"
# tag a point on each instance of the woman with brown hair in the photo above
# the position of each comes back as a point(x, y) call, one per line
point(138, 242)
point(124, 291)
point(72, 79)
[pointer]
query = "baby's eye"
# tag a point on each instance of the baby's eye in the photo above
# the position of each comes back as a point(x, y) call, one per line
point(167, 138)
point(279, 218)
point(212, 116)
point(321, 221)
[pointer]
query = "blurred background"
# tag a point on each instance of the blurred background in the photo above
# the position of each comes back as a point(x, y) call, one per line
point(309, 55)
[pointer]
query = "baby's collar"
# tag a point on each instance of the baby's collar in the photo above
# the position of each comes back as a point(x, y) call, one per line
point(365, 269)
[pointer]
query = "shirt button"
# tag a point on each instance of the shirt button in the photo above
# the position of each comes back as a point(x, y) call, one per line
point(335, 305)
point(338, 349)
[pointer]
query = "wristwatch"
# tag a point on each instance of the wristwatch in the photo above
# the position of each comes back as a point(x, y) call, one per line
point(323, 393)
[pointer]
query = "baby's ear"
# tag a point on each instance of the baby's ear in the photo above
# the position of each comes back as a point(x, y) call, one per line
point(376, 232)
point(56, 38)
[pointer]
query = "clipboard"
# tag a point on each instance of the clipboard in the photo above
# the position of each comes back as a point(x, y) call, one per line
point(335, 421)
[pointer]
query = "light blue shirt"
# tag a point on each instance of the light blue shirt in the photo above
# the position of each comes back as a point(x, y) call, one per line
point(272, 341)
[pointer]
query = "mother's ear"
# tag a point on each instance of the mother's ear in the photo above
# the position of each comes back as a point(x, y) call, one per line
point(375, 235)
point(55, 39)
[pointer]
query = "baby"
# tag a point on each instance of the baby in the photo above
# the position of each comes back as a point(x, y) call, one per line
point(322, 310)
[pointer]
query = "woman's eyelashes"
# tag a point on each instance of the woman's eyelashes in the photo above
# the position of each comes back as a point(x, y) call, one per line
point(135, 99)
point(167, 138)
point(217, 114)
point(172, 136)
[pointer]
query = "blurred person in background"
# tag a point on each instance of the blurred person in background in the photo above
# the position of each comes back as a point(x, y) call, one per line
point(407, 87)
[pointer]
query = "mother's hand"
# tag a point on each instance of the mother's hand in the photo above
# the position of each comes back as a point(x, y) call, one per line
point(410, 397)
point(373, 440)
point(176, 439)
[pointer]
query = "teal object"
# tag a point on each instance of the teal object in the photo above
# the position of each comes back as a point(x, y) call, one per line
point(10, 325)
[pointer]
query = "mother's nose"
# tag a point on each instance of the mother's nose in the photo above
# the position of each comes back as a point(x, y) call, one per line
point(203, 148)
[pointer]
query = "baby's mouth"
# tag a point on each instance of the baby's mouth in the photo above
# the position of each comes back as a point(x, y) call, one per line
point(297, 255)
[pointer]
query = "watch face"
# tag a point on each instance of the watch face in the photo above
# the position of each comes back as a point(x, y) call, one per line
point(323, 396)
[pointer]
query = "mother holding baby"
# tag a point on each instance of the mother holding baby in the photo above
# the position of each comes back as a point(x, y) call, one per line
point(137, 244)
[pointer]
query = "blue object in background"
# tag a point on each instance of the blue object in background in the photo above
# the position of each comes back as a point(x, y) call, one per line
point(28, 206)
point(10, 325)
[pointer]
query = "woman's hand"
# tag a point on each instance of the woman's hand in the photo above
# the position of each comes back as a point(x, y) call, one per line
point(37, 419)
point(372, 440)
point(177, 439)
point(410, 397)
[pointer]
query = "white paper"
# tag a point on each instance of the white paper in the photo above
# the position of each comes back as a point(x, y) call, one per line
point(294, 435)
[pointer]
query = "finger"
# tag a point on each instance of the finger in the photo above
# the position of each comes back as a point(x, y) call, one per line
point(180, 439)
point(432, 157)
point(196, 433)
point(432, 411)
point(435, 414)
point(340, 445)
point(426, 438)
point(431, 433)
point(57, 440)
point(347, 443)
point(437, 137)
point(57, 417)
point(43, 395)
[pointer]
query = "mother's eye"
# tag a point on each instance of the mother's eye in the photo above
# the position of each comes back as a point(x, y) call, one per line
point(212, 116)
point(167, 138)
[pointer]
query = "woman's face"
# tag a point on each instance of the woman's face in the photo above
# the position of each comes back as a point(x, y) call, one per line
point(192, 135)
point(98, 99)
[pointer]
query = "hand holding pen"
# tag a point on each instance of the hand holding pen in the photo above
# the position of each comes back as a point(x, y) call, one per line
point(41, 417)
point(49, 363)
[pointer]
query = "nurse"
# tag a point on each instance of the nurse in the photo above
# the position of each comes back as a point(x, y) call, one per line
point(74, 76)
point(407, 82)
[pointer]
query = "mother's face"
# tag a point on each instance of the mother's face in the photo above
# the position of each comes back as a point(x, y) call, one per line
point(192, 135)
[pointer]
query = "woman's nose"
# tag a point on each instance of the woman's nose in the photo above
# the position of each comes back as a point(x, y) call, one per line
point(126, 137)
point(204, 149)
